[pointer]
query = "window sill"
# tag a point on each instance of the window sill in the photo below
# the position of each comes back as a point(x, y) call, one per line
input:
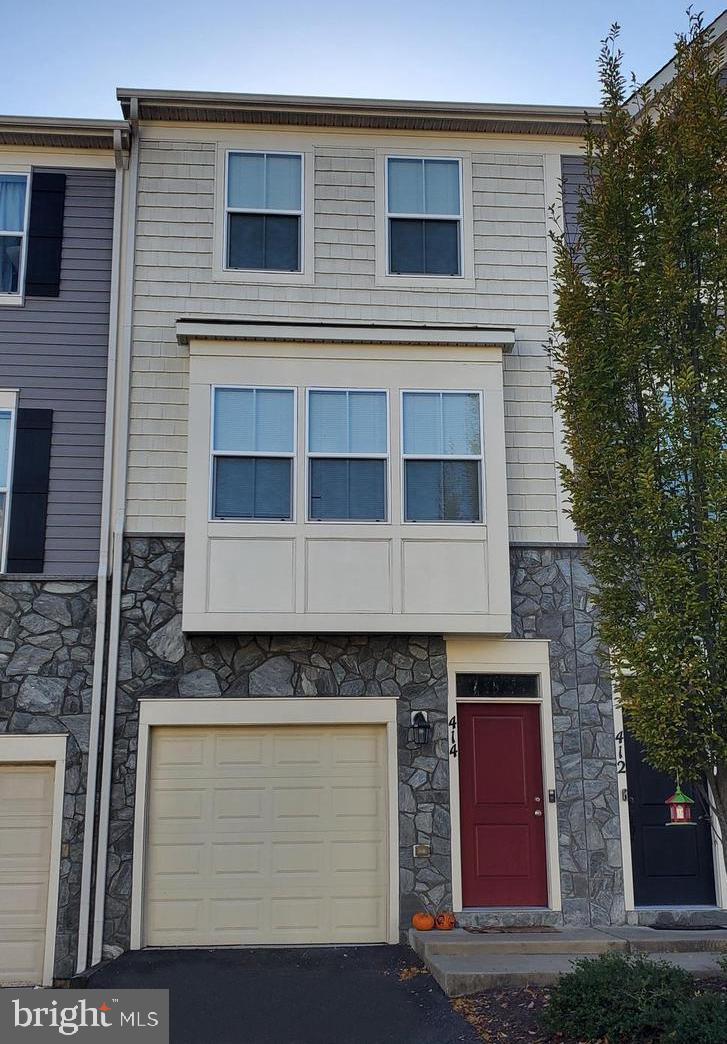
point(452, 284)
point(259, 276)
point(12, 300)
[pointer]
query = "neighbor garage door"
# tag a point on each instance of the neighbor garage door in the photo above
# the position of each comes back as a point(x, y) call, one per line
point(26, 813)
point(266, 835)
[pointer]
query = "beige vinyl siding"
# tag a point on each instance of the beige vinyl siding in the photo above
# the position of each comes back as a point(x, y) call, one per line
point(175, 277)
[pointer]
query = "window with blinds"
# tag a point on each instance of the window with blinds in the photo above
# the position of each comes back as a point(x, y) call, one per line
point(264, 211)
point(253, 449)
point(442, 449)
point(424, 214)
point(347, 455)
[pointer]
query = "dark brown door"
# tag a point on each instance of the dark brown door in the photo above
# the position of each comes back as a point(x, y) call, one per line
point(502, 809)
point(673, 865)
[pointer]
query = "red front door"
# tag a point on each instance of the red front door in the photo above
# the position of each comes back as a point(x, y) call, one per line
point(502, 808)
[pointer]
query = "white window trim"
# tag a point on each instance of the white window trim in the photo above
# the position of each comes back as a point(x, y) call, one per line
point(482, 521)
point(221, 272)
point(49, 749)
point(292, 457)
point(310, 455)
point(8, 403)
point(18, 298)
point(465, 281)
point(322, 710)
point(474, 655)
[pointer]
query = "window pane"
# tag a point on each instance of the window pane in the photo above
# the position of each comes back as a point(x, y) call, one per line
point(494, 685)
point(461, 424)
point(234, 423)
point(246, 180)
point(273, 420)
point(10, 250)
point(252, 487)
point(347, 422)
point(245, 241)
point(12, 202)
point(327, 422)
point(406, 186)
point(441, 186)
point(367, 422)
point(4, 448)
point(282, 183)
point(260, 181)
point(251, 420)
point(343, 490)
point(267, 242)
point(406, 246)
point(442, 491)
point(441, 247)
point(282, 238)
point(461, 485)
point(422, 423)
point(3, 503)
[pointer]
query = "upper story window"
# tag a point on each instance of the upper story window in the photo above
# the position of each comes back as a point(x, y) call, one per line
point(6, 432)
point(253, 447)
point(264, 216)
point(442, 449)
point(347, 455)
point(424, 216)
point(13, 231)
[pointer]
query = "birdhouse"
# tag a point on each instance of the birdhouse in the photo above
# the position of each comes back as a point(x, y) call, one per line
point(680, 808)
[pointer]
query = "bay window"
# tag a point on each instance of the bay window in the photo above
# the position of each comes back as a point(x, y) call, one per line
point(253, 450)
point(442, 450)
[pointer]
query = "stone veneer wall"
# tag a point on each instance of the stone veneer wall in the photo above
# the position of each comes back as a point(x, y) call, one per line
point(552, 599)
point(158, 660)
point(552, 592)
point(47, 635)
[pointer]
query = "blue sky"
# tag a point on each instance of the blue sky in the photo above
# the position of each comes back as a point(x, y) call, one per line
point(68, 56)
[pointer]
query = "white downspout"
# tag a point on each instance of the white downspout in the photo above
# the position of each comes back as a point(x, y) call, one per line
point(103, 567)
point(117, 546)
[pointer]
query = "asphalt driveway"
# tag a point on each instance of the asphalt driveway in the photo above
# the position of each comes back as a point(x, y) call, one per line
point(322, 995)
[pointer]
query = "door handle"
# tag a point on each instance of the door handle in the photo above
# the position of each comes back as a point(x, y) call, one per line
point(538, 812)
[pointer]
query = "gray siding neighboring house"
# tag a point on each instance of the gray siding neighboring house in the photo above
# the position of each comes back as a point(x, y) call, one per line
point(55, 350)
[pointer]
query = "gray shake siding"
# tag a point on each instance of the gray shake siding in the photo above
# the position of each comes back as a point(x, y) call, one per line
point(175, 277)
point(55, 350)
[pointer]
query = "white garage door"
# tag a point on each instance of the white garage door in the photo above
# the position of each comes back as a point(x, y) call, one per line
point(266, 835)
point(26, 814)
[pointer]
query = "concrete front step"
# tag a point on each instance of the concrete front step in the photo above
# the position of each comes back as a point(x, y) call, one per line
point(567, 941)
point(460, 975)
point(463, 962)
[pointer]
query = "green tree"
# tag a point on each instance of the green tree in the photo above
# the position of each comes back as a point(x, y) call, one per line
point(640, 368)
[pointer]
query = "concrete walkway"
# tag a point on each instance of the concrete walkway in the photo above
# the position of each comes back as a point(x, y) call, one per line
point(463, 962)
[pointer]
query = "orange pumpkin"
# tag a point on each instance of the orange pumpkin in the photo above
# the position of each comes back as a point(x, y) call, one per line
point(423, 922)
point(445, 922)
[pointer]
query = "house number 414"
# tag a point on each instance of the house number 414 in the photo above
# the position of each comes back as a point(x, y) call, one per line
point(453, 737)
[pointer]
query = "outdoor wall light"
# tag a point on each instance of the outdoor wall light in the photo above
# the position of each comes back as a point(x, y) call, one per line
point(420, 730)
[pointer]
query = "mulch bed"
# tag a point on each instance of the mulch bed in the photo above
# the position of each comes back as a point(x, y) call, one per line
point(512, 1016)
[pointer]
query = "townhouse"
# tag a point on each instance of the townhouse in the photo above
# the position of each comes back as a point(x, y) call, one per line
point(288, 571)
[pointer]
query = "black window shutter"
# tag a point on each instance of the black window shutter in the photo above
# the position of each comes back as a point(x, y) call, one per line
point(45, 235)
point(29, 491)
